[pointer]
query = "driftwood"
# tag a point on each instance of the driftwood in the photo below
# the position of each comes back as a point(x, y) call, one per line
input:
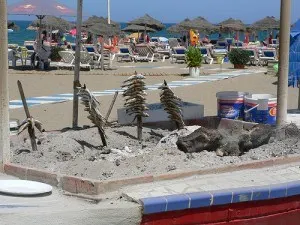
point(92, 107)
point(29, 123)
point(171, 105)
point(135, 101)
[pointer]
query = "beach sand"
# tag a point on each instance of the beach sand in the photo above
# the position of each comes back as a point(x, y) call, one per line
point(57, 116)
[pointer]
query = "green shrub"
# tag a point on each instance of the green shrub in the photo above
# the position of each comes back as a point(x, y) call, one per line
point(239, 56)
point(54, 54)
point(193, 57)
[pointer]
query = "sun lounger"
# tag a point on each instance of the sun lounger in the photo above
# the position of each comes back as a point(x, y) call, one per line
point(267, 55)
point(238, 44)
point(86, 60)
point(125, 53)
point(178, 54)
point(147, 53)
point(173, 42)
point(254, 59)
point(206, 55)
point(221, 45)
point(67, 59)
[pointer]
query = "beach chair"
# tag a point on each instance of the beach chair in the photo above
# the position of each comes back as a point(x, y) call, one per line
point(25, 55)
point(229, 41)
point(156, 55)
point(238, 44)
point(86, 60)
point(143, 53)
point(178, 54)
point(173, 42)
point(67, 59)
point(125, 53)
point(267, 55)
point(206, 55)
point(254, 58)
point(221, 45)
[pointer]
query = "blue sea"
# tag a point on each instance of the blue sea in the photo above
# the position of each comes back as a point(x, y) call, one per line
point(21, 35)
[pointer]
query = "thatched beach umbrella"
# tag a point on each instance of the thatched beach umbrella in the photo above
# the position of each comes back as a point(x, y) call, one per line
point(91, 21)
point(200, 24)
point(54, 23)
point(148, 21)
point(137, 28)
point(232, 25)
point(12, 25)
point(179, 28)
point(104, 29)
point(268, 23)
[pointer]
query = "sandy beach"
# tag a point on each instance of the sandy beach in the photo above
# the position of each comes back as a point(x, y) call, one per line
point(58, 116)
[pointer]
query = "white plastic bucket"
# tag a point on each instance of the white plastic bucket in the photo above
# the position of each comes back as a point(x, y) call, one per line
point(261, 108)
point(231, 104)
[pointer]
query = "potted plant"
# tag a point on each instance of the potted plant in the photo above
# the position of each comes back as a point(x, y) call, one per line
point(239, 58)
point(194, 60)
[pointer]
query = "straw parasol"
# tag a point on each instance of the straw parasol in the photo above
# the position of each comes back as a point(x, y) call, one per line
point(179, 28)
point(136, 28)
point(12, 25)
point(91, 21)
point(200, 24)
point(148, 21)
point(268, 23)
point(232, 25)
point(104, 29)
point(53, 22)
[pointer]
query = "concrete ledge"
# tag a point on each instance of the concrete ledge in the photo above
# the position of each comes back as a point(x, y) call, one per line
point(81, 185)
point(221, 197)
point(273, 211)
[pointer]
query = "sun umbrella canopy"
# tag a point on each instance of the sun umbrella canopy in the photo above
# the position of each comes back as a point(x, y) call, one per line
point(200, 24)
point(12, 25)
point(268, 23)
point(148, 21)
point(232, 25)
point(40, 7)
point(136, 28)
point(55, 23)
point(91, 21)
point(104, 29)
point(179, 28)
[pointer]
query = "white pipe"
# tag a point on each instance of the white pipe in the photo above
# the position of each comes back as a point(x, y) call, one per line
point(77, 63)
point(282, 88)
point(4, 98)
point(108, 11)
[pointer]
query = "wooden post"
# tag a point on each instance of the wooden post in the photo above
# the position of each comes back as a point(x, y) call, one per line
point(102, 54)
point(4, 99)
point(76, 82)
point(111, 106)
point(282, 87)
point(31, 131)
point(103, 139)
point(139, 128)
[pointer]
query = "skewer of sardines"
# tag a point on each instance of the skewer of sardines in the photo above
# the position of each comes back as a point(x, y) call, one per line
point(135, 100)
point(171, 104)
point(92, 105)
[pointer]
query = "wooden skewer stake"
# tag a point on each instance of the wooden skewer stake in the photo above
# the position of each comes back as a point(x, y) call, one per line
point(31, 131)
point(111, 106)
